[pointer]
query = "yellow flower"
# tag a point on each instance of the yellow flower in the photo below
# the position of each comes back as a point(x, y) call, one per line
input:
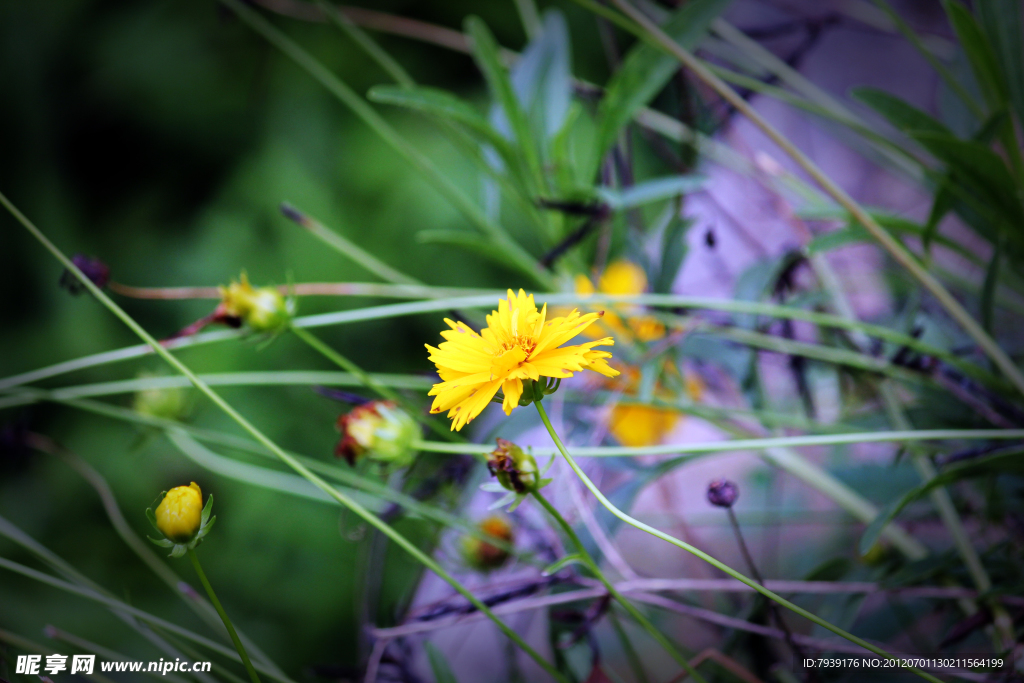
point(263, 309)
point(179, 514)
point(519, 343)
point(640, 425)
point(623, 277)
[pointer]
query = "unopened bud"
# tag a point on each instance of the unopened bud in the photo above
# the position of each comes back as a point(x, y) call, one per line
point(179, 514)
point(379, 429)
point(92, 268)
point(722, 493)
point(515, 469)
point(263, 309)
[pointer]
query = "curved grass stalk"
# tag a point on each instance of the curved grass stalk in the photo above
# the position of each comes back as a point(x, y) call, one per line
point(906, 436)
point(630, 608)
point(484, 301)
point(286, 458)
point(517, 256)
point(368, 381)
point(348, 249)
point(119, 606)
point(233, 379)
point(367, 289)
point(708, 558)
point(649, 32)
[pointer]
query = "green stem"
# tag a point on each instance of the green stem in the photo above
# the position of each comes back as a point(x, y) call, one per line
point(223, 616)
point(708, 558)
point(369, 382)
point(630, 608)
point(269, 444)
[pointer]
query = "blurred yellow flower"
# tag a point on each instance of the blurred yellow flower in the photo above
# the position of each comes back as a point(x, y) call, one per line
point(480, 554)
point(623, 277)
point(519, 343)
point(640, 425)
point(179, 514)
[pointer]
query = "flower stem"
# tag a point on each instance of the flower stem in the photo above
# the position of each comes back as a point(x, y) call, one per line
point(224, 616)
point(708, 558)
point(630, 608)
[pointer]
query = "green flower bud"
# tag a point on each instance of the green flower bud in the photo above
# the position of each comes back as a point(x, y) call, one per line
point(170, 403)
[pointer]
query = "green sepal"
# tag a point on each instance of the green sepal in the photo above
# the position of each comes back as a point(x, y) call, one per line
point(520, 497)
point(561, 564)
point(204, 528)
point(162, 542)
point(179, 550)
point(206, 511)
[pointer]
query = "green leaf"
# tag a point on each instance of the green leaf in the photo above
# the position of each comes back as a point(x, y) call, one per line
point(979, 167)
point(162, 542)
point(445, 106)
point(650, 191)
point(439, 665)
point(877, 526)
point(988, 289)
point(673, 252)
point(206, 511)
point(542, 77)
point(646, 70)
point(902, 116)
point(485, 52)
point(561, 563)
point(979, 53)
point(466, 240)
point(1003, 462)
point(1003, 24)
point(942, 203)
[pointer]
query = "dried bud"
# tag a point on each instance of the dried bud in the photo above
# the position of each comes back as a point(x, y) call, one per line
point(722, 493)
point(480, 554)
point(263, 309)
point(94, 269)
point(379, 429)
point(179, 514)
point(515, 469)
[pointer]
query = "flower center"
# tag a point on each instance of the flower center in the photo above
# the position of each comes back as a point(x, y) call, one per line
point(508, 360)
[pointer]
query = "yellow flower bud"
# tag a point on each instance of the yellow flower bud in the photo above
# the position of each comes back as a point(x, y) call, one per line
point(179, 514)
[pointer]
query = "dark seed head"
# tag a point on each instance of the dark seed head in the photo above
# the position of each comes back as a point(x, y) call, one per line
point(94, 269)
point(722, 493)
